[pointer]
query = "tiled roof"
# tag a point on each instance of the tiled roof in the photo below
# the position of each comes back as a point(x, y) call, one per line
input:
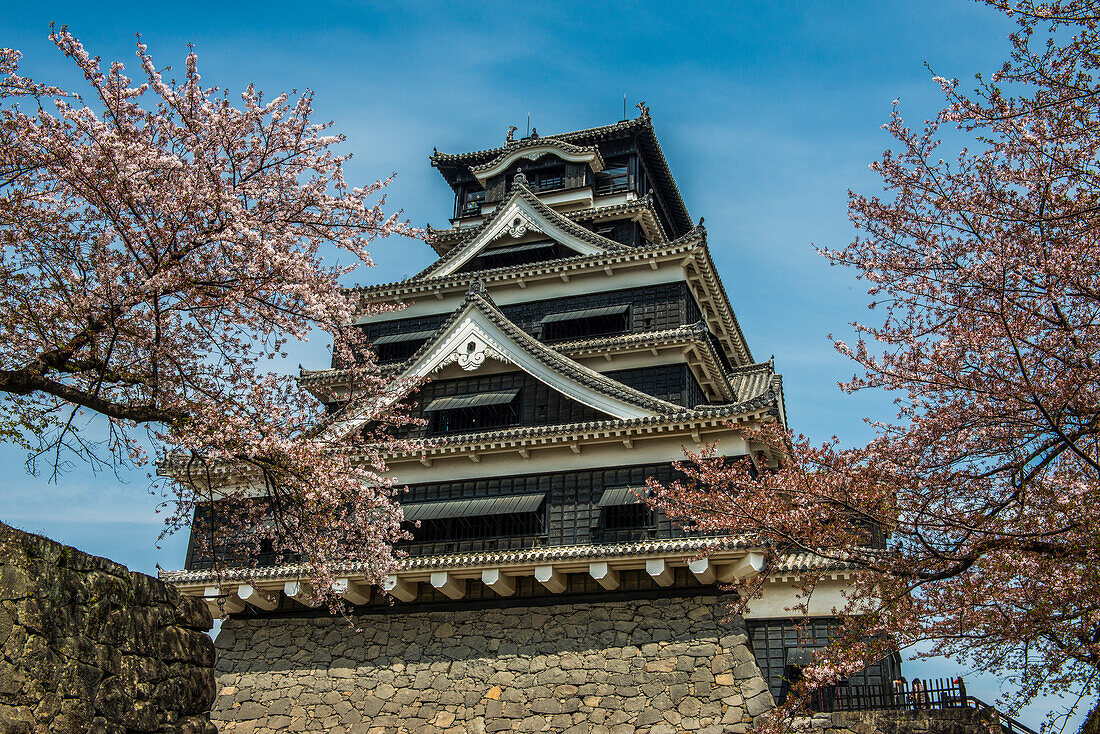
point(522, 191)
point(479, 298)
point(752, 379)
point(677, 334)
point(790, 564)
point(521, 145)
point(686, 416)
point(621, 252)
point(692, 243)
point(603, 132)
point(696, 334)
point(461, 560)
point(330, 376)
point(804, 562)
point(559, 363)
point(443, 240)
point(694, 331)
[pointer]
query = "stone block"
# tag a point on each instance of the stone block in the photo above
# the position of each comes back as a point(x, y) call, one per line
point(94, 647)
point(601, 667)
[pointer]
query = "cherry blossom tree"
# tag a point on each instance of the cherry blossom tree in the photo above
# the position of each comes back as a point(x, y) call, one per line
point(971, 523)
point(159, 243)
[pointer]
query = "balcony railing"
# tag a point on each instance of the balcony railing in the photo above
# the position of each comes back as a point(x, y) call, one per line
point(613, 184)
point(548, 183)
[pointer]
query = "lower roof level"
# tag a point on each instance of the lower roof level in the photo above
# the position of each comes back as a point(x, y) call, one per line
point(676, 563)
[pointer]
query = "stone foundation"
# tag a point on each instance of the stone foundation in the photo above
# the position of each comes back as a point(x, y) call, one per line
point(88, 646)
point(656, 665)
point(947, 721)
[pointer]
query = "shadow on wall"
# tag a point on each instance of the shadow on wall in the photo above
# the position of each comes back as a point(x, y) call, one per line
point(91, 646)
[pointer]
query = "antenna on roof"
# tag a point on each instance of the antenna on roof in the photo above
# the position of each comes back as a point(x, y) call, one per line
point(624, 106)
point(528, 125)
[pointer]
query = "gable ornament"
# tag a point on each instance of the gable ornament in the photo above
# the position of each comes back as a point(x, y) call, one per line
point(472, 354)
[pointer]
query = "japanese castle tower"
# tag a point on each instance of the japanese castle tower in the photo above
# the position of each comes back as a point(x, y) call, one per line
point(576, 337)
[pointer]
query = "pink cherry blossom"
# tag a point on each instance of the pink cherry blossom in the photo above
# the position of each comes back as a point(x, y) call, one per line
point(160, 242)
point(971, 523)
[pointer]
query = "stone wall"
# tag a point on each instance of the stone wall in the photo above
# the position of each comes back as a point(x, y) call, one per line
point(659, 666)
point(947, 721)
point(89, 646)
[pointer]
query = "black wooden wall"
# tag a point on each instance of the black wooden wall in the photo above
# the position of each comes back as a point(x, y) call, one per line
point(541, 405)
point(570, 507)
point(652, 308)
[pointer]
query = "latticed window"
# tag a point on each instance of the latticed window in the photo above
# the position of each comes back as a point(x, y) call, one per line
point(474, 412)
point(399, 346)
point(614, 177)
point(472, 201)
point(586, 323)
point(474, 519)
point(546, 179)
point(623, 514)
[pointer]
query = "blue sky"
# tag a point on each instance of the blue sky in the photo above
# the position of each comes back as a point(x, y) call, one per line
point(768, 112)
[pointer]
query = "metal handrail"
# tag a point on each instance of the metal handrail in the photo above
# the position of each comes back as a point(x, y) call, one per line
point(1008, 724)
point(940, 694)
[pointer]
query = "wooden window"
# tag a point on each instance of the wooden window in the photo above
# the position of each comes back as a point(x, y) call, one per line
point(473, 519)
point(614, 177)
point(587, 322)
point(391, 347)
point(472, 201)
point(474, 412)
point(623, 515)
point(547, 179)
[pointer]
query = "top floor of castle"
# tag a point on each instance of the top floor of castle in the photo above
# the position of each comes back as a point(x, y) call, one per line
point(611, 165)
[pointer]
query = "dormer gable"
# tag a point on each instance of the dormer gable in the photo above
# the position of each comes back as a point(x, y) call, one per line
point(522, 219)
point(478, 332)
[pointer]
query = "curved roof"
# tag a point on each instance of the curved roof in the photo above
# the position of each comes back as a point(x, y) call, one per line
point(478, 298)
point(522, 205)
point(641, 209)
point(477, 330)
point(691, 545)
point(699, 267)
point(534, 148)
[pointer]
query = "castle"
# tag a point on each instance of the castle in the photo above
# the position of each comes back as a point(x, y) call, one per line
point(575, 336)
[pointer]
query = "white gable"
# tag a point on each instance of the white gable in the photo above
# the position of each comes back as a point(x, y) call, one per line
point(516, 218)
point(472, 339)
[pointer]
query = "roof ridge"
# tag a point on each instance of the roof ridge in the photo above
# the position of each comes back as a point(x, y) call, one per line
point(477, 297)
point(697, 332)
point(752, 367)
point(565, 137)
point(683, 414)
point(596, 380)
point(516, 146)
point(642, 202)
point(518, 555)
